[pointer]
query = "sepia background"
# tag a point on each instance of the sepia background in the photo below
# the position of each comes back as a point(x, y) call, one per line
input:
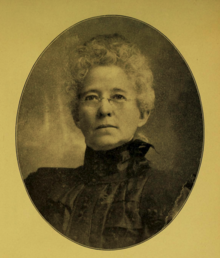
point(27, 28)
point(47, 135)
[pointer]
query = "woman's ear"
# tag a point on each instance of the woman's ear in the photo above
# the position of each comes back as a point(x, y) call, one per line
point(143, 118)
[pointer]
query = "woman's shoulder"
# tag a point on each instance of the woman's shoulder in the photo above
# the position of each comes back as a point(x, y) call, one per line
point(46, 176)
point(164, 188)
point(161, 180)
point(48, 182)
point(163, 196)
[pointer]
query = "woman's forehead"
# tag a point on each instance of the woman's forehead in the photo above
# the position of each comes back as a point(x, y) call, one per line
point(107, 78)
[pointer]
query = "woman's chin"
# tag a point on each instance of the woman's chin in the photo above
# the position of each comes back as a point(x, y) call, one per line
point(105, 144)
point(104, 147)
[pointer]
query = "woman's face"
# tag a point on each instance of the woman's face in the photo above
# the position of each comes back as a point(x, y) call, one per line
point(108, 111)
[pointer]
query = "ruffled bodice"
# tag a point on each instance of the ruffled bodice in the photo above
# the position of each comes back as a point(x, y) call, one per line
point(114, 200)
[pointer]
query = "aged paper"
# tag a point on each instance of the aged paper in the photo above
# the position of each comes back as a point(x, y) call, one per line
point(27, 29)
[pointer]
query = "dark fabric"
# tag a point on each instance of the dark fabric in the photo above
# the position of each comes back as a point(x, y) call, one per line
point(115, 200)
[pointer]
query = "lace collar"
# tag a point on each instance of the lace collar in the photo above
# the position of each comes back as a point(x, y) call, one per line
point(117, 163)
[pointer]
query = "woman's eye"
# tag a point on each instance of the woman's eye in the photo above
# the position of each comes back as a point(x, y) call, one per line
point(119, 97)
point(91, 97)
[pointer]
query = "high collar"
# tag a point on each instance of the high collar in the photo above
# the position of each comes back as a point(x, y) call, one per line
point(123, 159)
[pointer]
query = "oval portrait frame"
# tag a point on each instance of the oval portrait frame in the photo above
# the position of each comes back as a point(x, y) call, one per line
point(46, 136)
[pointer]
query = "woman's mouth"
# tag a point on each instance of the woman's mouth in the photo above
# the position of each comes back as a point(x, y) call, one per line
point(106, 126)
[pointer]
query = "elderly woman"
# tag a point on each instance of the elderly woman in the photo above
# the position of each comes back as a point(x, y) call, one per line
point(115, 199)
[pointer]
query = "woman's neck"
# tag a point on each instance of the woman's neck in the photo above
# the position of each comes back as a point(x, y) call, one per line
point(108, 146)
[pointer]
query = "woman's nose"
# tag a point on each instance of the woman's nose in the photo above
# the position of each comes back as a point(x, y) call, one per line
point(105, 108)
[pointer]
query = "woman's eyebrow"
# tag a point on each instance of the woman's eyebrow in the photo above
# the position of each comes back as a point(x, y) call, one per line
point(118, 89)
point(88, 91)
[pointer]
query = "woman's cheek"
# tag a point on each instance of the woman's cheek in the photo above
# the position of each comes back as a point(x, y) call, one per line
point(88, 119)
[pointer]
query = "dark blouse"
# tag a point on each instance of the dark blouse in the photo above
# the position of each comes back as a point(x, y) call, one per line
point(114, 200)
